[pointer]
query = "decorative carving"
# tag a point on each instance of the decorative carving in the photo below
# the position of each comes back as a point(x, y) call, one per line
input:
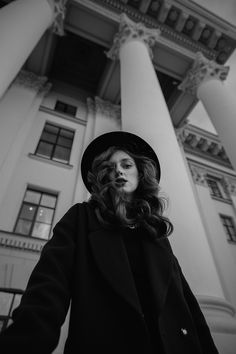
point(129, 30)
point(108, 109)
point(30, 80)
point(229, 185)
point(199, 175)
point(202, 70)
point(59, 7)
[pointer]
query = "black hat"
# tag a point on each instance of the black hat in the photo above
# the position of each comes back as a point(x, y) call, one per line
point(122, 139)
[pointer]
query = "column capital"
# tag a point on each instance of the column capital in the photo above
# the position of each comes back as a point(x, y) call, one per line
point(107, 109)
point(202, 70)
point(59, 9)
point(30, 80)
point(130, 30)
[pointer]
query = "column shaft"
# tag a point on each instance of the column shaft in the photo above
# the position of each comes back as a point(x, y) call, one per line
point(22, 23)
point(144, 112)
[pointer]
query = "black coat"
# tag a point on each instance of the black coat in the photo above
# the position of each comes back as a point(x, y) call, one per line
point(89, 266)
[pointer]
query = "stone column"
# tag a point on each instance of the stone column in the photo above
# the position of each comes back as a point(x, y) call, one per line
point(22, 24)
point(102, 117)
point(144, 112)
point(18, 108)
point(205, 79)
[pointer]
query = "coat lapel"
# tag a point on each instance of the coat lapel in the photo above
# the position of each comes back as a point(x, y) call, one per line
point(111, 258)
point(159, 262)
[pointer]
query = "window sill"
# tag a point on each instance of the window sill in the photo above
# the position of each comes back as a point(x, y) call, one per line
point(223, 200)
point(51, 162)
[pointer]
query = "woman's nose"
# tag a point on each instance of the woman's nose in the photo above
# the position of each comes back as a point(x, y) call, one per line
point(118, 170)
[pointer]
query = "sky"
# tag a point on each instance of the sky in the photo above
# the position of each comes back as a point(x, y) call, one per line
point(226, 9)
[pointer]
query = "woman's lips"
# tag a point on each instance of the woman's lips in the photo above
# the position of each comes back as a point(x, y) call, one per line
point(120, 181)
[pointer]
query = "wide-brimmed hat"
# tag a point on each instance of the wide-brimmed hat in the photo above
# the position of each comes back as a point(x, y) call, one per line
point(133, 143)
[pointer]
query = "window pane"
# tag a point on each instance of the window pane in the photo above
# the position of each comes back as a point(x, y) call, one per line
point(44, 149)
point(32, 197)
point(23, 227)
point(64, 142)
point(52, 129)
point(44, 215)
point(27, 212)
point(41, 230)
point(51, 138)
point(48, 200)
point(61, 154)
point(60, 106)
point(67, 134)
point(71, 110)
point(5, 303)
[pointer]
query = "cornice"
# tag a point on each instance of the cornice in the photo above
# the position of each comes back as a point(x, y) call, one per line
point(206, 146)
point(209, 35)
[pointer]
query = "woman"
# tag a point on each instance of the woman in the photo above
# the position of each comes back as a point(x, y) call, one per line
point(111, 259)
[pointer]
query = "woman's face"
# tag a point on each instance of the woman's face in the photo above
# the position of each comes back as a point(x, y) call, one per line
point(124, 172)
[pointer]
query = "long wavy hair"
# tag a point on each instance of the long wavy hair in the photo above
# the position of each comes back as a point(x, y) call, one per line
point(115, 209)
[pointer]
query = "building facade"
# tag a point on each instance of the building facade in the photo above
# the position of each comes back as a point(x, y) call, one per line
point(72, 70)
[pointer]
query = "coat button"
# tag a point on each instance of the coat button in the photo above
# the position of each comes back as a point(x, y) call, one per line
point(184, 331)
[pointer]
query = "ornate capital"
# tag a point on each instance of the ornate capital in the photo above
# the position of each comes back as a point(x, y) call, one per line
point(59, 8)
point(30, 80)
point(199, 175)
point(107, 109)
point(202, 70)
point(129, 30)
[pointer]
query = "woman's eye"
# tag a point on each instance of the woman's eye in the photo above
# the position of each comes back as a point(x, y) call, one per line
point(127, 166)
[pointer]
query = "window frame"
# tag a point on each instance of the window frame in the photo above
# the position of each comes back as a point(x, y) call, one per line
point(223, 194)
point(33, 221)
point(66, 108)
point(230, 237)
point(55, 144)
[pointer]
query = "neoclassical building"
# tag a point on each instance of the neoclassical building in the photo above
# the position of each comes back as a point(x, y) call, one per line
point(71, 70)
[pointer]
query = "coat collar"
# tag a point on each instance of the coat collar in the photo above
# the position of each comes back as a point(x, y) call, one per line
point(111, 258)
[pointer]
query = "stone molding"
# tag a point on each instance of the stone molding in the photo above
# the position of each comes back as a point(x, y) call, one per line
point(230, 185)
point(202, 71)
point(199, 175)
point(20, 242)
point(30, 80)
point(59, 9)
point(203, 144)
point(108, 109)
point(130, 30)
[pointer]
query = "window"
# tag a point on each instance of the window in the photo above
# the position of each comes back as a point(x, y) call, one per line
point(65, 108)
point(217, 188)
point(214, 188)
point(229, 227)
point(36, 214)
point(55, 143)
